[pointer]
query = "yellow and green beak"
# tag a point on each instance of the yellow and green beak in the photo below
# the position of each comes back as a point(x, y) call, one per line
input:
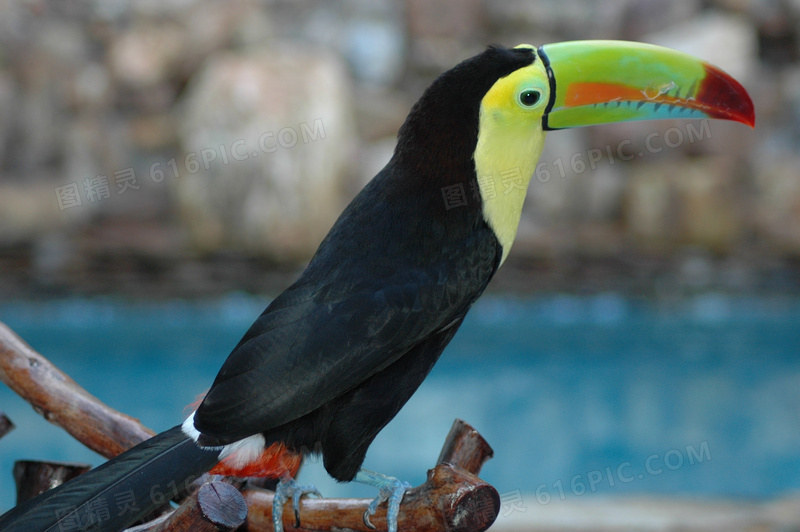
point(598, 82)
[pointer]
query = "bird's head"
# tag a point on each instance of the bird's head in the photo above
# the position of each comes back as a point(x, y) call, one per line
point(584, 83)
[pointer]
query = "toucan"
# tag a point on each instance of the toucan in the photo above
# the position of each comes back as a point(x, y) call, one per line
point(334, 357)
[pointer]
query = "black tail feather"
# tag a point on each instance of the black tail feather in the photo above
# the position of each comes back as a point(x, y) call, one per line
point(119, 492)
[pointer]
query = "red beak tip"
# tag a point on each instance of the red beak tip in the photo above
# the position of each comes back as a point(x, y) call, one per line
point(720, 90)
point(748, 117)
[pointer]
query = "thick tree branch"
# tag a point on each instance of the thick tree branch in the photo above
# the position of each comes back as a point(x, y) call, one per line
point(465, 447)
point(63, 402)
point(215, 506)
point(34, 477)
point(453, 498)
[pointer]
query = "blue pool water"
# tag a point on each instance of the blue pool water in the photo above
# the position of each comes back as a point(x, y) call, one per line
point(577, 395)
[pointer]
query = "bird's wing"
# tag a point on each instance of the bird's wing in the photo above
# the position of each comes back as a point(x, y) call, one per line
point(307, 349)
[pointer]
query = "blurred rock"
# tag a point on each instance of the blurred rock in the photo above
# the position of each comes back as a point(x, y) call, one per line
point(643, 17)
point(574, 200)
point(540, 22)
point(649, 210)
point(379, 112)
point(689, 203)
point(146, 56)
point(369, 34)
point(286, 115)
point(375, 50)
point(444, 18)
point(28, 212)
point(778, 203)
point(7, 103)
point(153, 132)
point(710, 215)
point(605, 186)
point(550, 198)
point(779, 35)
point(44, 71)
point(439, 29)
point(91, 89)
point(727, 41)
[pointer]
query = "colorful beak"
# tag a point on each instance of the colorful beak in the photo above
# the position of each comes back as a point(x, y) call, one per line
point(598, 82)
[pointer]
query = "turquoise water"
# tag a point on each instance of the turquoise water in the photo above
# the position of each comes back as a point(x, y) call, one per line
point(577, 395)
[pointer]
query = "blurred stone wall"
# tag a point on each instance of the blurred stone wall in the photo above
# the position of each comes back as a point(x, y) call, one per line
point(193, 146)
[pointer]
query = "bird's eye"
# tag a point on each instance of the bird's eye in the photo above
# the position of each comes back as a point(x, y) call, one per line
point(529, 97)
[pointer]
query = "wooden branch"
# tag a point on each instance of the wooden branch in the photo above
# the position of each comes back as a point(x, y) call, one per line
point(465, 447)
point(215, 506)
point(34, 477)
point(6, 425)
point(63, 402)
point(451, 500)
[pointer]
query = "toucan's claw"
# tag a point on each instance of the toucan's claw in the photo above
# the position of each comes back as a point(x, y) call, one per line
point(366, 518)
point(288, 487)
point(391, 492)
point(308, 489)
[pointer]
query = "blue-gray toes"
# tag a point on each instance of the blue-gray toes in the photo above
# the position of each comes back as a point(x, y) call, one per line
point(391, 492)
point(287, 488)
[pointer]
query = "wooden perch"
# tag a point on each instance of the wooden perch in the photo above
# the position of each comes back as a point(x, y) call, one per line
point(215, 506)
point(452, 499)
point(465, 447)
point(63, 402)
point(34, 477)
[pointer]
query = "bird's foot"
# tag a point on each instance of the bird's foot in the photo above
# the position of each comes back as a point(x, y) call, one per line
point(391, 490)
point(287, 488)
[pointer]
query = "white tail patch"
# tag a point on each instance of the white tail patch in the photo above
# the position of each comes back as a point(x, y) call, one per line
point(243, 452)
point(237, 454)
point(188, 428)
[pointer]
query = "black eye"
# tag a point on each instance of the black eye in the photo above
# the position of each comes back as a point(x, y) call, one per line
point(529, 97)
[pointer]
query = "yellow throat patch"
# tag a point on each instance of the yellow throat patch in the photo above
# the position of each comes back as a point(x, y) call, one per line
point(510, 140)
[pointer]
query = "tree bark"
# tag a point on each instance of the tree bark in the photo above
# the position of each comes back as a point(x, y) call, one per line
point(451, 500)
point(61, 401)
point(34, 477)
point(215, 506)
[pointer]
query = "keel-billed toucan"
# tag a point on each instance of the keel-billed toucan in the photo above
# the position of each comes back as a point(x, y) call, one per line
point(333, 358)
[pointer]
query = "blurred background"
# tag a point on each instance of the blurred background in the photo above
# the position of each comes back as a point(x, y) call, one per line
point(166, 167)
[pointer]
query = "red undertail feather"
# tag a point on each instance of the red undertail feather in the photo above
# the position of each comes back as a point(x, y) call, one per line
point(275, 461)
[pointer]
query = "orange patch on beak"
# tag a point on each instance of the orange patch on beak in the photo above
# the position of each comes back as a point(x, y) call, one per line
point(591, 93)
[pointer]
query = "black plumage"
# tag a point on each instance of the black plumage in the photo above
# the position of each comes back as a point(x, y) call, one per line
point(336, 355)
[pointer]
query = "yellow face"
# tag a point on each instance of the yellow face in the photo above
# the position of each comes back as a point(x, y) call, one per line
point(510, 140)
point(521, 96)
